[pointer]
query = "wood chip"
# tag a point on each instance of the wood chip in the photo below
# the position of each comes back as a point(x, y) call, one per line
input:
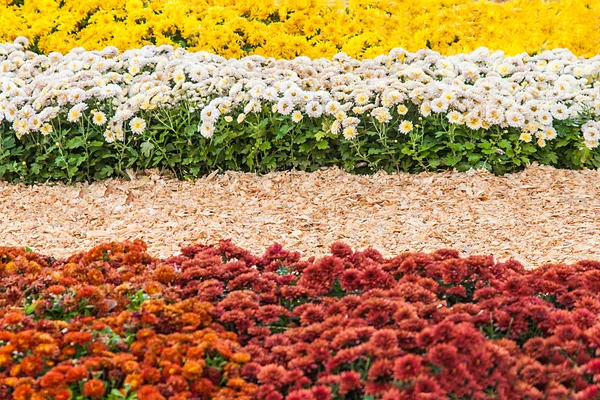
point(537, 216)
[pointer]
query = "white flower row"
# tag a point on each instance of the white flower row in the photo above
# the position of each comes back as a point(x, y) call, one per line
point(478, 90)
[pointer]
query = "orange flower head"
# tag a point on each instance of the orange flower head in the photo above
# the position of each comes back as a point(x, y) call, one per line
point(153, 288)
point(47, 350)
point(77, 373)
point(145, 333)
point(148, 392)
point(24, 392)
point(134, 380)
point(56, 289)
point(130, 367)
point(52, 379)
point(32, 365)
point(165, 274)
point(240, 358)
point(94, 388)
point(193, 369)
point(63, 394)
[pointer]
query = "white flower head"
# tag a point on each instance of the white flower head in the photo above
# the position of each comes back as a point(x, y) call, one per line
point(137, 125)
point(405, 127)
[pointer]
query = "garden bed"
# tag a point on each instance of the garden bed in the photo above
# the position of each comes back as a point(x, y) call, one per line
point(218, 322)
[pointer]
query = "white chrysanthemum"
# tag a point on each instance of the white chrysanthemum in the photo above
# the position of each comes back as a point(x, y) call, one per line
point(559, 111)
point(74, 114)
point(285, 106)
point(137, 125)
point(335, 127)
point(549, 133)
point(252, 106)
point(207, 130)
point(439, 105)
point(350, 121)
point(382, 115)
point(241, 118)
point(46, 129)
point(494, 116)
point(332, 107)
point(505, 69)
point(210, 114)
point(544, 117)
point(270, 94)
point(361, 97)
point(314, 109)
point(109, 136)
point(473, 121)
point(257, 91)
point(402, 109)
point(98, 118)
point(350, 133)
point(296, 116)
point(134, 69)
point(425, 109)
point(454, 117)
point(591, 144)
point(591, 131)
point(514, 119)
point(21, 126)
point(525, 137)
point(294, 93)
point(405, 127)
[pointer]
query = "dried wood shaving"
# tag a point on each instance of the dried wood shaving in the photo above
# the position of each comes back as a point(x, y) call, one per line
point(537, 216)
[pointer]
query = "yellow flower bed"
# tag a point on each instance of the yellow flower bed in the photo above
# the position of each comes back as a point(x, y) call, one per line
point(363, 28)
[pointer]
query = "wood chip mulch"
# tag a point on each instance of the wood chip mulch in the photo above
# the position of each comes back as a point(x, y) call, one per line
point(537, 216)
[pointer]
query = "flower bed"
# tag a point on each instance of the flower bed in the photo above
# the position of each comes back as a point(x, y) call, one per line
point(92, 115)
point(286, 29)
point(218, 322)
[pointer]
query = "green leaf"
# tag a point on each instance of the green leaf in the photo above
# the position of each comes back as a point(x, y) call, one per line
point(30, 308)
point(265, 146)
point(74, 143)
point(146, 148)
point(322, 144)
point(505, 144)
point(320, 135)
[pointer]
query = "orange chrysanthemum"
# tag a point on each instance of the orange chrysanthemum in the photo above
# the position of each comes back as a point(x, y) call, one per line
point(94, 388)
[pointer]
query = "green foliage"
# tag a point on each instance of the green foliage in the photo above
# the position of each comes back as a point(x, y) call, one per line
point(266, 142)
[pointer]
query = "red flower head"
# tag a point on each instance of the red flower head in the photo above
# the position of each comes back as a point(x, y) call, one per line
point(381, 370)
point(274, 396)
point(407, 367)
point(311, 314)
point(374, 277)
point(444, 355)
point(351, 280)
point(589, 393)
point(301, 394)
point(384, 343)
point(427, 388)
point(349, 381)
point(341, 250)
point(321, 392)
point(272, 374)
